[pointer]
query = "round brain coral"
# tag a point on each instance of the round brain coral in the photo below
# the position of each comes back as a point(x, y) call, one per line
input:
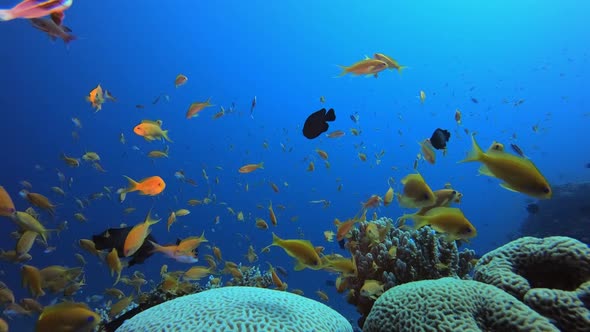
point(450, 304)
point(239, 309)
point(550, 275)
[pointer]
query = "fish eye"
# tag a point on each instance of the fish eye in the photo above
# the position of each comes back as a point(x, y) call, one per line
point(454, 192)
point(467, 230)
point(90, 319)
point(546, 190)
point(426, 197)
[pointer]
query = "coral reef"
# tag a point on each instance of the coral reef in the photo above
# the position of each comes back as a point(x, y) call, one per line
point(251, 276)
point(402, 256)
point(569, 309)
point(567, 213)
point(451, 304)
point(550, 275)
point(239, 309)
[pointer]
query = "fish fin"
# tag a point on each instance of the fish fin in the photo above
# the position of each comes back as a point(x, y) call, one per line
point(131, 186)
point(330, 115)
point(275, 239)
point(484, 170)
point(299, 266)
point(261, 165)
point(6, 15)
point(508, 187)
point(419, 221)
point(343, 72)
point(165, 135)
point(476, 154)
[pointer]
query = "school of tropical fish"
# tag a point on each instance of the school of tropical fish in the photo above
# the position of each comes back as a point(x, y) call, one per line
point(120, 248)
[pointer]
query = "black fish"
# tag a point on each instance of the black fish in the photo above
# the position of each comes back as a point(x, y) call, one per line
point(439, 139)
point(588, 165)
point(473, 100)
point(316, 124)
point(115, 238)
point(532, 208)
point(341, 244)
point(355, 117)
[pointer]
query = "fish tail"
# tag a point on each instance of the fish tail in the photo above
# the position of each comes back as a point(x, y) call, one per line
point(261, 165)
point(401, 68)
point(165, 135)
point(68, 38)
point(343, 72)
point(157, 247)
point(419, 221)
point(130, 187)
point(118, 278)
point(275, 239)
point(476, 154)
point(6, 15)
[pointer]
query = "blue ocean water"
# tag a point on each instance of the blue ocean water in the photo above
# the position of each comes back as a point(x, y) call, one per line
point(286, 54)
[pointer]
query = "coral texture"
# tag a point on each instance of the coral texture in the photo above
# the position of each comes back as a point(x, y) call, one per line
point(239, 309)
point(550, 275)
point(451, 304)
point(403, 256)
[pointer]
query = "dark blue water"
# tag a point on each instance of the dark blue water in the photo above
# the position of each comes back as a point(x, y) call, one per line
point(285, 53)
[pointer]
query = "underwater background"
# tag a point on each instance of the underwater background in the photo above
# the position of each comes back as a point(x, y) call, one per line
point(479, 57)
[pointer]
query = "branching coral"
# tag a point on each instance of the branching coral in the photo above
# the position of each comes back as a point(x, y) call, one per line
point(403, 256)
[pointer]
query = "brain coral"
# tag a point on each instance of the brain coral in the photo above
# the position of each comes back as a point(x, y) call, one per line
point(450, 304)
point(239, 309)
point(550, 275)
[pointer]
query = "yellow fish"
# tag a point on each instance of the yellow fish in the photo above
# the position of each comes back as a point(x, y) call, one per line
point(67, 316)
point(519, 174)
point(449, 221)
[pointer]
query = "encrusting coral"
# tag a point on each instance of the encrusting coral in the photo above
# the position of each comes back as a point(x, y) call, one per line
point(239, 308)
point(551, 275)
point(451, 304)
point(401, 256)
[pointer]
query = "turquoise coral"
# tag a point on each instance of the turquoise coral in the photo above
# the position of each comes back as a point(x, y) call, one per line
point(551, 275)
point(238, 309)
point(451, 304)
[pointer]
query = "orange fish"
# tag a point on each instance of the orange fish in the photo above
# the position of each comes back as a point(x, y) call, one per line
point(6, 205)
point(271, 214)
point(197, 107)
point(365, 67)
point(34, 9)
point(96, 98)
point(151, 186)
point(251, 167)
point(344, 227)
point(137, 235)
point(114, 264)
point(336, 134)
point(151, 130)
point(180, 80)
